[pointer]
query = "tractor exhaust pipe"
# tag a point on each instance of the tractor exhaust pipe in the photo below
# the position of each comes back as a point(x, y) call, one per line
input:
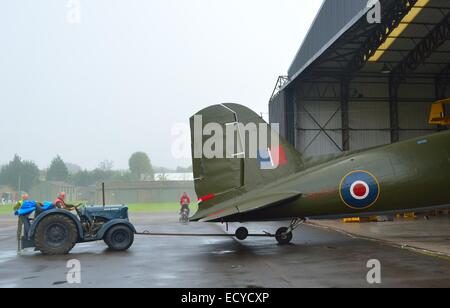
point(103, 194)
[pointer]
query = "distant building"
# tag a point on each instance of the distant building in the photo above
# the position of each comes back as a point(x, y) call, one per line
point(87, 194)
point(6, 189)
point(174, 176)
point(48, 191)
point(144, 192)
point(7, 195)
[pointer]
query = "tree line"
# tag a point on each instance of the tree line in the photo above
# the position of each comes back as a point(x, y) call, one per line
point(22, 174)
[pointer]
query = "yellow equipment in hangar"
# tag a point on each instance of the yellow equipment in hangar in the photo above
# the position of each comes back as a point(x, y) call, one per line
point(440, 113)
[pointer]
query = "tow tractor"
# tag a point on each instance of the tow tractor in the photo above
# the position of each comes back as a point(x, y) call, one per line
point(57, 231)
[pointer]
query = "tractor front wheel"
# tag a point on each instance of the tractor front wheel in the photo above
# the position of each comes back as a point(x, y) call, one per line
point(119, 238)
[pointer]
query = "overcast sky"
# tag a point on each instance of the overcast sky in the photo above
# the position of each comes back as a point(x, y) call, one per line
point(115, 78)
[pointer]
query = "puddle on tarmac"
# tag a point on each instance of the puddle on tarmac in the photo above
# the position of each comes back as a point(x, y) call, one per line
point(223, 252)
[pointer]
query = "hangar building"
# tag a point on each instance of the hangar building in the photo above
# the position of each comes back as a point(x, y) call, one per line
point(358, 81)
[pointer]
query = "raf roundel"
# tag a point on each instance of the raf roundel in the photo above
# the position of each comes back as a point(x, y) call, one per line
point(359, 190)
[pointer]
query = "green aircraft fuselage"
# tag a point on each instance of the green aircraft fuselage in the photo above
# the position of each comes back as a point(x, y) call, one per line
point(411, 175)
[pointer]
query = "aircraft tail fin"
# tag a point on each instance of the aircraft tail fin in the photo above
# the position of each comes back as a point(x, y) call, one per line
point(235, 151)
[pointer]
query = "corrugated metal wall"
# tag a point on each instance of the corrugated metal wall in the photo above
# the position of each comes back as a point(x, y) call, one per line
point(414, 110)
point(310, 141)
point(318, 107)
point(368, 116)
point(332, 18)
point(370, 122)
point(277, 112)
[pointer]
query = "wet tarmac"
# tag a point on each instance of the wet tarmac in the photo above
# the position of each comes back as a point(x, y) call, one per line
point(317, 258)
point(432, 234)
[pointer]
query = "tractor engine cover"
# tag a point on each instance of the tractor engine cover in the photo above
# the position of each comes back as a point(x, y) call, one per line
point(107, 213)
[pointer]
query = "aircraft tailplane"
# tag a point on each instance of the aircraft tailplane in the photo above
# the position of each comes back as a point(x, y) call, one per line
point(235, 151)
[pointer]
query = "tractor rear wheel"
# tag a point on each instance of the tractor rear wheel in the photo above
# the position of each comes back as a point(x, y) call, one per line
point(119, 238)
point(56, 235)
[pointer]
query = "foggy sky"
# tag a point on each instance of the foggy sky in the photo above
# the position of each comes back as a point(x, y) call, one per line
point(119, 80)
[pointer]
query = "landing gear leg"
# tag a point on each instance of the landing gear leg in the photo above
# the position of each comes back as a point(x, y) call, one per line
point(284, 235)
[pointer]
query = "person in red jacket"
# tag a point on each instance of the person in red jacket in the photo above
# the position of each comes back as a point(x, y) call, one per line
point(185, 201)
point(60, 202)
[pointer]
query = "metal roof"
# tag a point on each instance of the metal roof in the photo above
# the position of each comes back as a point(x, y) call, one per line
point(342, 43)
point(334, 17)
point(423, 48)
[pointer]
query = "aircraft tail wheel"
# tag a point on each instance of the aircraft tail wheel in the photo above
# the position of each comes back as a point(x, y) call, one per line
point(283, 237)
point(242, 233)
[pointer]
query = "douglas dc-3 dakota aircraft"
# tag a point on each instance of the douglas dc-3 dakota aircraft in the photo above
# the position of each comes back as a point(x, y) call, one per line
point(280, 184)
